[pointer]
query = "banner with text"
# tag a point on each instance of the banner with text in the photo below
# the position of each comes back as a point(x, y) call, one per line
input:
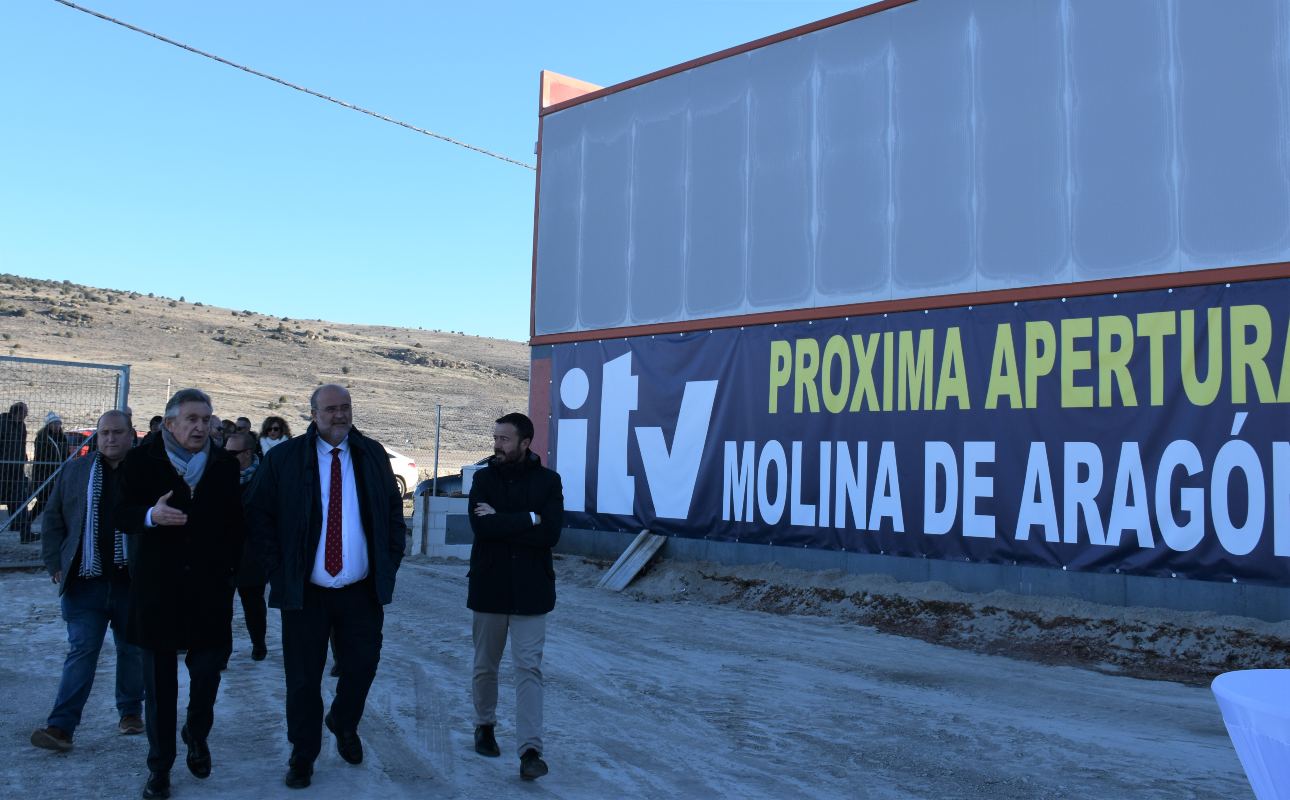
point(1145, 432)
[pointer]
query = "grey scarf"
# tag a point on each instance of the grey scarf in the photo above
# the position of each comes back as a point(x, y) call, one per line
point(190, 466)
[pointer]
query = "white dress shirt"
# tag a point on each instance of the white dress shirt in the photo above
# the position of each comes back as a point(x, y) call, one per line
point(353, 544)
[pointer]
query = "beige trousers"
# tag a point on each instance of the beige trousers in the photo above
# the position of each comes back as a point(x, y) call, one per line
point(528, 635)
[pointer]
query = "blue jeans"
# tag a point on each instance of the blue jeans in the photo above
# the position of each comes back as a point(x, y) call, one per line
point(89, 608)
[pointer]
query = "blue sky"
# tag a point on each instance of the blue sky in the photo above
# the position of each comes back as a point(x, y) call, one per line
point(131, 164)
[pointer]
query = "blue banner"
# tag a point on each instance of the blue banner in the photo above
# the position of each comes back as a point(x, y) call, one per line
point(1144, 433)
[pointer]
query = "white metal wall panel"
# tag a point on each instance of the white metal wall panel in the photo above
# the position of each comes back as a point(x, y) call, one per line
point(939, 147)
point(657, 248)
point(1234, 186)
point(933, 155)
point(853, 152)
point(781, 186)
point(559, 234)
point(716, 220)
point(1021, 155)
point(1125, 209)
point(607, 174)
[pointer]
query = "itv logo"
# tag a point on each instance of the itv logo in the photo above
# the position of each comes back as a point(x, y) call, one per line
point(670, 472)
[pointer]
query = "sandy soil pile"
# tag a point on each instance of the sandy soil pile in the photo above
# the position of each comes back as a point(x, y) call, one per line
point(1151, 643)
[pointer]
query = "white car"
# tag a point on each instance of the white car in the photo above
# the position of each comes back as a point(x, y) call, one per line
point(405, 471)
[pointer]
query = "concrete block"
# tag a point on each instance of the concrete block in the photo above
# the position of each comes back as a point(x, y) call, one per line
point(1253, 600)
point(966, 576)
point(900, 568)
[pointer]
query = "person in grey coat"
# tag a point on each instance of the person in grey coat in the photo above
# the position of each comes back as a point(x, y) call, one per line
point(85, 554)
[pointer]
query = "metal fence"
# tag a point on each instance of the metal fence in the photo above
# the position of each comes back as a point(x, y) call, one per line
point(34, 393)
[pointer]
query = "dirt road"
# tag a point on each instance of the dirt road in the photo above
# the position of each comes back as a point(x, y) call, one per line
point(655, 698)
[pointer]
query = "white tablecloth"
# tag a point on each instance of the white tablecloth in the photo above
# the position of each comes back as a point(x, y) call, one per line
point(1256, 710)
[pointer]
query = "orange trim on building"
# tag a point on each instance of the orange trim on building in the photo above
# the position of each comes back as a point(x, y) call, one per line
point(1141, 283)
point(557, 89)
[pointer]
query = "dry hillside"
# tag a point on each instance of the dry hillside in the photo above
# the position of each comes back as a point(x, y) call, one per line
point(255, 365)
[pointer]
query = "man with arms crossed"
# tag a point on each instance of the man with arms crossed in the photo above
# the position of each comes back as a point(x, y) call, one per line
point(85, 553)
point(516, 512)
point(327, 522)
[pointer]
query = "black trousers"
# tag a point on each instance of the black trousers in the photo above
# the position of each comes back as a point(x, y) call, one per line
point(254, 611)
point(353, 618)
point(161, 695)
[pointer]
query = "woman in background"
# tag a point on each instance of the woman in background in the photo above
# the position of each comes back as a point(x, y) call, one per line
point(274, 431)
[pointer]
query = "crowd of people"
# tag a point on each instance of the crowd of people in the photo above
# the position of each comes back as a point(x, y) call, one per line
point(51, 447)
point(152, 537)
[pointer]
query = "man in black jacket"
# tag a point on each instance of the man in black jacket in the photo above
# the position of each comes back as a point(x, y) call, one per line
point(13, 465)
point(327, 522)
point(182, 506)
point(516, 512)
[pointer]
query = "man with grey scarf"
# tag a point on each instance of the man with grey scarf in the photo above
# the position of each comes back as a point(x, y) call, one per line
point(183, 508)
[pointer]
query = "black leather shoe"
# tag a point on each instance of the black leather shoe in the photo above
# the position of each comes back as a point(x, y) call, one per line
point(158, 784)
point(298, 774)
point(485, 742)
point(199, 755)
point(348, 744)
point(532, 766)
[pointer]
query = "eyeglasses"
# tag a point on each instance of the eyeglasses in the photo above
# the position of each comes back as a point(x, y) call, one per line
point(272, 428)
point(238, 452)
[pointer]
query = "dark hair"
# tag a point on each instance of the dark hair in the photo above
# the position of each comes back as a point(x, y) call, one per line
point(249, 440)
point(186, 396)
point(523, 425)
point(271, 421)
point(155, 420)
point(114, 413)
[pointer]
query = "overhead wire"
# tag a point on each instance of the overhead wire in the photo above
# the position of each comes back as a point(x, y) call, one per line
point(295, 86)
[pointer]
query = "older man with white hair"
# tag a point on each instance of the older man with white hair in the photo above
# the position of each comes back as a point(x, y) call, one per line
point(183, 506)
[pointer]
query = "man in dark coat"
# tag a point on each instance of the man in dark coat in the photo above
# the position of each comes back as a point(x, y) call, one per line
point(250, 580)
point(13, 469)
point(86, 555)
point(327, 520)
point(50, 448)
point(516, 512)
point(183, 505)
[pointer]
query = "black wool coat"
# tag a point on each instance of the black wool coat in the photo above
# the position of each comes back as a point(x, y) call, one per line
point(511, 571)
point(180, 575)
point(284, 515)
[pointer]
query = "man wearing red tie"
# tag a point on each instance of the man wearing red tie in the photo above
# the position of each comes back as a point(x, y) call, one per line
point(326, 520)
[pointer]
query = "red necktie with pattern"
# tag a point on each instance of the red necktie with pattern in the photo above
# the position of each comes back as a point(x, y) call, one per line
point(331, 553)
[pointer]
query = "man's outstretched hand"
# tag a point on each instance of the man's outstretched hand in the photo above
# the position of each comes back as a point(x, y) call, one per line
point(164, 514)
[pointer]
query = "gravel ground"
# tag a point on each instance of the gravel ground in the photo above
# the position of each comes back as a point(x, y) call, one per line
point(683, 686)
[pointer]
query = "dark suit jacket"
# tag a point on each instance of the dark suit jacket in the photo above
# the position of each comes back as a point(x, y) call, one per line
point(510, 562)
point(180, 576)
point(284, 512)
